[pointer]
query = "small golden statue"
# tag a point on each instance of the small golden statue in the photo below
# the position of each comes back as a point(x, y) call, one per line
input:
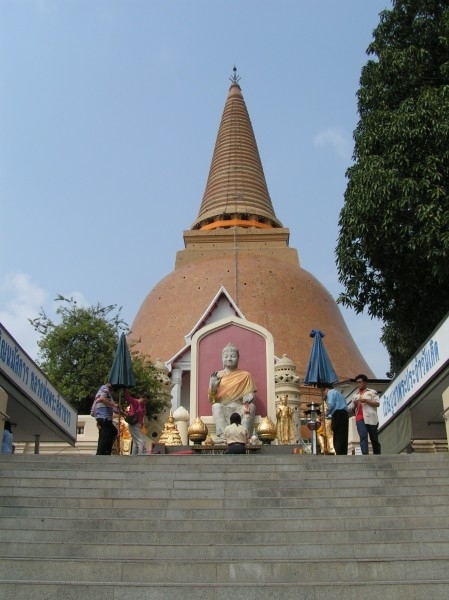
point(122, 443)
point(325, 436)
point(285, 430)
point(170, 435)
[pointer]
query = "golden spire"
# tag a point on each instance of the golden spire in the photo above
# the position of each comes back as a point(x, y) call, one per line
point(236, 191)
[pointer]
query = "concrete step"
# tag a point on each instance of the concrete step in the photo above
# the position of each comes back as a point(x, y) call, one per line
point(196, 511)
point(228, 494)
point(317, 524)
point(394, 590)
point(408, 497)
point(267, 536)
point(308, 463)
point(200, 479)
point(302, 549)
point(219, 527)
point(197, 571)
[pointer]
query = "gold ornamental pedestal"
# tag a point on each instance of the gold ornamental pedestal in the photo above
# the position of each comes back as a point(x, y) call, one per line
point(266, 431)
point(197, 431)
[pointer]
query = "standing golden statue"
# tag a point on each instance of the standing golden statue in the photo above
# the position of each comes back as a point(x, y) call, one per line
point(325, 435)
point(285, 430)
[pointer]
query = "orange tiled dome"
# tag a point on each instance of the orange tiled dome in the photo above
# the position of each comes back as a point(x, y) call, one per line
point(282, 297)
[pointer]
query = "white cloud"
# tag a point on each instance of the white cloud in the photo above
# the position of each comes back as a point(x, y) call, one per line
point(22, 300)
point(336, 139)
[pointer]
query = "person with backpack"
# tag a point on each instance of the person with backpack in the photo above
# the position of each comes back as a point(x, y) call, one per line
point(135, 418)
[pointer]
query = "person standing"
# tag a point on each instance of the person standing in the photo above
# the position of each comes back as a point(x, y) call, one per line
point(104, 407)
point(7, 446)
point(337, 411)
point(137, 409)
point(364, 404)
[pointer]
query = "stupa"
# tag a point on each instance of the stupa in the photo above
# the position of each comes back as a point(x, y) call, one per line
point(237, 260)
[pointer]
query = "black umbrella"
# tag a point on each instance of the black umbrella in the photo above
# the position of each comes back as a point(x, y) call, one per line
point(122, 374)
point(319, 372)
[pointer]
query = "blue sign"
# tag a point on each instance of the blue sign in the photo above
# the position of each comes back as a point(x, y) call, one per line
point(425, 364)
point(17, 366)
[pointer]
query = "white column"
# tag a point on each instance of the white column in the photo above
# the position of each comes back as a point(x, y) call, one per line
point(176, 378)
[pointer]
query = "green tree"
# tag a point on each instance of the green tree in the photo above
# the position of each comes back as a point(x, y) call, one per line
point(393, 246)
point(76, 353)
point(147, 381)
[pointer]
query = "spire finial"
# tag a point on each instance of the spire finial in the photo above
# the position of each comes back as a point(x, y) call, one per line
point(235, 78)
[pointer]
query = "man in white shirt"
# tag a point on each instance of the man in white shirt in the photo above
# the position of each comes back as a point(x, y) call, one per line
point(364, 403)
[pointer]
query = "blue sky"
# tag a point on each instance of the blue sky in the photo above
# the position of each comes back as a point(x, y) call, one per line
point(109, 111)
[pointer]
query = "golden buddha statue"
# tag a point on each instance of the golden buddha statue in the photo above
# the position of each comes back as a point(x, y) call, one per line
point(170, 435)
point(122, 443)
point(325, 435)
point(285, 430)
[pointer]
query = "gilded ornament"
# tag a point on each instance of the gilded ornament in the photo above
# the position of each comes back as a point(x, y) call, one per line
point(197, 431)
point(266, 431)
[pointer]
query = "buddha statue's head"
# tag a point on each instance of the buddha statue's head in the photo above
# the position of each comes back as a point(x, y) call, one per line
point(230, 356)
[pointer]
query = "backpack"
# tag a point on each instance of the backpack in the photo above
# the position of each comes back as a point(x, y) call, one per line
point(132, 419)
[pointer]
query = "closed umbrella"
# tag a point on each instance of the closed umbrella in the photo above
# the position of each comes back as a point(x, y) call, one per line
point(122, 374)
point(319, 371)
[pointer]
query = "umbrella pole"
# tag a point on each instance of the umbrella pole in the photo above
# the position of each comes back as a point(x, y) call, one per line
point(323, 409)
point(119, 434)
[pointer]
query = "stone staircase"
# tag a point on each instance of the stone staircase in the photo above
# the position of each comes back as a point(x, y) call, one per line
point(268, 526)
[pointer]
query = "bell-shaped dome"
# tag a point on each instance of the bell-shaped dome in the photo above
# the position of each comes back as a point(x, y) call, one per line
point(280, 296)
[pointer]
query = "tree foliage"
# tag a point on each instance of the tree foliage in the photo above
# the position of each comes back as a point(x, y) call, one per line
point(77, 352)
point(148, 382)
point(393, 246)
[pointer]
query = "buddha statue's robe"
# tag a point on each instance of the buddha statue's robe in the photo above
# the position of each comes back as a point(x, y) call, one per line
point(233, 386)
point(235, 393)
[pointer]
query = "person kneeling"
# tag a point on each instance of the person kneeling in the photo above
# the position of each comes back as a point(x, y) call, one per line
point(236, 435)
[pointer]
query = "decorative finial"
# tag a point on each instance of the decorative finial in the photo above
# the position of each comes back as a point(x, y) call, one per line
point(235, 78)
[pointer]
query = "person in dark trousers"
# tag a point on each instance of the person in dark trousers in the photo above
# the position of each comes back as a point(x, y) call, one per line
point(364, 403)
point(337, 411)
point(103, 409)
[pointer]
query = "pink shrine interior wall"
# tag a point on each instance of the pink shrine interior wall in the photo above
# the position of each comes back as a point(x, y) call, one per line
point(252, 349)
